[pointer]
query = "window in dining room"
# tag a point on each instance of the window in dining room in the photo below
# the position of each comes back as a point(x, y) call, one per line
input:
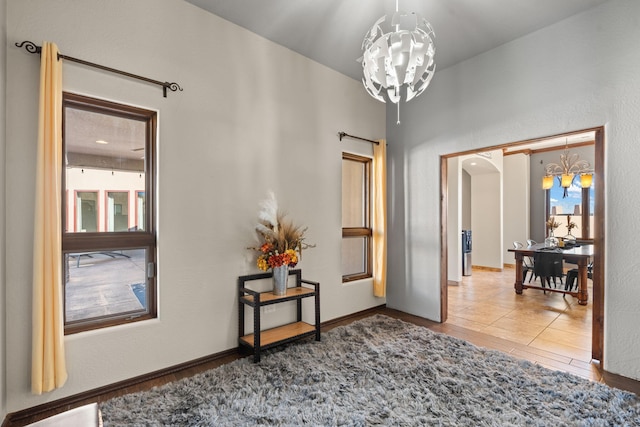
point(576, 208)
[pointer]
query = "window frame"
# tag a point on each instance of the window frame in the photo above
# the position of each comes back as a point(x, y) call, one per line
point(73, 242)
point(366, 232)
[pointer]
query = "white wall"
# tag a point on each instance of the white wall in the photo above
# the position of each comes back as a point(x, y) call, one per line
point(3, 182)
point(253, 116)
point(454, 219)
point(516, 202)
point(486, 220)
point(579, 73)
point(466, 200)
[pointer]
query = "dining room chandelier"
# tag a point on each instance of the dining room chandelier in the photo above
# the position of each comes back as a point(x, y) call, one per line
point(398, 57)
point(570, 165)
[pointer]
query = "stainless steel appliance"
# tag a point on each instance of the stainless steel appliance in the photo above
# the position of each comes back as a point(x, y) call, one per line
point(466, 252)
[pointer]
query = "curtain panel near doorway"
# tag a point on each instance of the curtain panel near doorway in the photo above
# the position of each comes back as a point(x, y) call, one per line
point(379, 219)
point(48, 370)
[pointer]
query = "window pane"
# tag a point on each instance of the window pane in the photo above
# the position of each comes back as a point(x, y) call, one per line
point(354, 255)
point(86, 211)
point(566, 206)
point(117, 211)
point(105, 283)
point(104, 153)
point(353, 194)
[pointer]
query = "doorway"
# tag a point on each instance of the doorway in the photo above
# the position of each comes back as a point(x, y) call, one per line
point(598, 228)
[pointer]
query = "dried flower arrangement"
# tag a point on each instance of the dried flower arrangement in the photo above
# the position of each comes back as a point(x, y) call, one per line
point(570, 224)
point(552, 224)
point(282, 240)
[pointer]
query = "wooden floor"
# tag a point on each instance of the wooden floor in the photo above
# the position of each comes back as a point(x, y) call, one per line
point(474, 317)
point(551, 328)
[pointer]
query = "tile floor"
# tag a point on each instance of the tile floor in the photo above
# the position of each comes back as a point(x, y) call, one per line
point(486, 302)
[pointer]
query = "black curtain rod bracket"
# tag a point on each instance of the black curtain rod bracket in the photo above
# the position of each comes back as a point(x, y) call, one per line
point(343, 134)
point(34, 48)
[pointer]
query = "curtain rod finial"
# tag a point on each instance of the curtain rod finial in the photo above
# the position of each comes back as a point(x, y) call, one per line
point(31, 47)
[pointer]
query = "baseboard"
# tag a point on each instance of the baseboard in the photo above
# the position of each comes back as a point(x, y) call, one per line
point(70, 402)
point(481, 267)
point(453, 283)
point(29, 415)
point(350, 317)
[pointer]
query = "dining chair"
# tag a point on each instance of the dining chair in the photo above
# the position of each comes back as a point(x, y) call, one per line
point(527, 262)
point(548, 266)
point(572, 277)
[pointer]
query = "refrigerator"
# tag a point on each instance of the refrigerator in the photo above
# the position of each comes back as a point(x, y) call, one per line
point(466, 252)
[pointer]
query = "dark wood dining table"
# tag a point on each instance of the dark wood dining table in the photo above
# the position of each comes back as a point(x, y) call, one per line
point(580, 255)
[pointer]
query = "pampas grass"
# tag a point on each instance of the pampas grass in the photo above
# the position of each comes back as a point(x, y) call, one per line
point(268, 214)
point(278, 232)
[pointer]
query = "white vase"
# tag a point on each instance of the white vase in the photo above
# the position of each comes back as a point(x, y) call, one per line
point(280, 279)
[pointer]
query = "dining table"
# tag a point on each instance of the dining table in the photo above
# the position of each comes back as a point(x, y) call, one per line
point(580, 254)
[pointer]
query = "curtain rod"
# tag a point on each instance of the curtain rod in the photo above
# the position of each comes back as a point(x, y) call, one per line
point(33, 48)
point(343, 134)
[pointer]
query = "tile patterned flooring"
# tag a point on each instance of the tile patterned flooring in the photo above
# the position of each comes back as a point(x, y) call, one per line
point(553, 329)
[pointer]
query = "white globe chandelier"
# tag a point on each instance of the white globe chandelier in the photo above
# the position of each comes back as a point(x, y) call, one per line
point(398, 64)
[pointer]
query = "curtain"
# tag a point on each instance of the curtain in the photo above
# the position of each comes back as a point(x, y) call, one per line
point(48, 369)
point(379, 219)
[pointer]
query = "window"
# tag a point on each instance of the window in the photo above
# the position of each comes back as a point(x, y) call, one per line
point(356, 222)
point(117, 211)
point(575, 205)
point(140, 211)
point(86, 211)
point(108, 237)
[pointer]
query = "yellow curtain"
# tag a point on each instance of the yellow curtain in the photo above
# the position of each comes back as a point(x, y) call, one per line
point(379, 219)
point(48, 368)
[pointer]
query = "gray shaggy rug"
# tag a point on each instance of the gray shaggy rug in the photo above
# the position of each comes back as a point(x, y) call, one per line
point(378, 371)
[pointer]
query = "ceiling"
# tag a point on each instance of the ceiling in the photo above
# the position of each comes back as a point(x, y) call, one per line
point(331, 31)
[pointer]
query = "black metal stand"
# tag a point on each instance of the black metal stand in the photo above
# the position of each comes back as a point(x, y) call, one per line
point(260, 340)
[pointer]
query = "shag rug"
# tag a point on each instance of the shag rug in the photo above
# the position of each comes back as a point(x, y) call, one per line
point(378, 371)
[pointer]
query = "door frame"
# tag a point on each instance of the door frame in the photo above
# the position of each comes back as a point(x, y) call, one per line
point(597, 334)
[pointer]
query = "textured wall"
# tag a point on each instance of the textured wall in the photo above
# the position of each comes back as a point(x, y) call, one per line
point(253, 116)
point(3, 81)
point(516, 203)
point(580, 73)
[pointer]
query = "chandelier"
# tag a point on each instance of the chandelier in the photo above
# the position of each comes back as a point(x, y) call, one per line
point(398, 64)
point(570, 165)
